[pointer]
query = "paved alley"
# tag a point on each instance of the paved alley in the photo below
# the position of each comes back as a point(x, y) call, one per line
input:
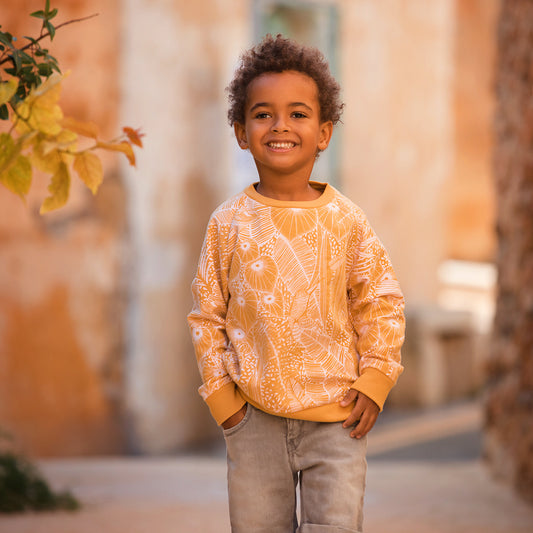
point(187, 494)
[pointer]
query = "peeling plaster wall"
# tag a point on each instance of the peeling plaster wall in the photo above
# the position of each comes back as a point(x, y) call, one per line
point(470, 195)
point(95, 354)
point(178, 58)
point(61, 291)
point(397, 64)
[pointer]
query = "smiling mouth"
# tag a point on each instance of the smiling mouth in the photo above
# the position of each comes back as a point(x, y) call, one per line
point(285, 145)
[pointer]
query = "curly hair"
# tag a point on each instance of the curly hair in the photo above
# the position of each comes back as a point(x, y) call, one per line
point(278, 54)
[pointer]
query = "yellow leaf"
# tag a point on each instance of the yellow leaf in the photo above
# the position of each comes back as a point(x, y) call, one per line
point(40, 110)
point(15, 169)
point(89, 168)
point(17, 178)
point(43, 117)
point(52, 82)
point(123, 147)
point(59, 189)
point(64, 141)
point(48, 162)
point(87, 129)
point(7, 90)
point(28, 139)
point(9, 151)
point(49, 151)
point(23, 112)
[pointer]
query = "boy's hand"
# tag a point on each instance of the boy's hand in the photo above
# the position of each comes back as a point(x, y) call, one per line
point(365, 411)
point(233, 420)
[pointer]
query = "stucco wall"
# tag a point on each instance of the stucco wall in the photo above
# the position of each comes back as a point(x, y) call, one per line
point(186, 52)
point(95, 350)
point(61, 291)
point(397, 64)
point(470, 196)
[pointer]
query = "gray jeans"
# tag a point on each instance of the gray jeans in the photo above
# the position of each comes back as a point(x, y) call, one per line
point(267, 457)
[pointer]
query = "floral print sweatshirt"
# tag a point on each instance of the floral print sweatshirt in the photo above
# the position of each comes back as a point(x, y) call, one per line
point(295, 302)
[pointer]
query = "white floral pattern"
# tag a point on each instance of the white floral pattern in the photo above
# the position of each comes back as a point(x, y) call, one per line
point(291, 303)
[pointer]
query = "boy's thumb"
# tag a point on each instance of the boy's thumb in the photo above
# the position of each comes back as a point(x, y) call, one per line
point(349, 397)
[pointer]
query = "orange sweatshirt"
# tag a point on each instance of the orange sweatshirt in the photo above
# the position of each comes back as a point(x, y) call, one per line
point(294, 304)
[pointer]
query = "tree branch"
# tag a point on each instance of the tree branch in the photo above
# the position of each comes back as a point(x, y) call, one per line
point(47, 33)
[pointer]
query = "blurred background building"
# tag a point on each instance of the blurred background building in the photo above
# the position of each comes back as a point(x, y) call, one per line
point(95, 355)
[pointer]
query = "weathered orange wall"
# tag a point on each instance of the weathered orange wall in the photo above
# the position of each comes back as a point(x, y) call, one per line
point(470, 229)
point(61, 334)
point(93, 299)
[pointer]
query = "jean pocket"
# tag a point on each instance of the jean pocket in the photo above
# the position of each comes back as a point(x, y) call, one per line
point(231, 431)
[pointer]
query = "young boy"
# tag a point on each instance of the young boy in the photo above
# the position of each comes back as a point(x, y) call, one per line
point(298, 316)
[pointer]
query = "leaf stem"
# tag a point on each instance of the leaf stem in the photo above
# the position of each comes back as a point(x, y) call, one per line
point(47, 33)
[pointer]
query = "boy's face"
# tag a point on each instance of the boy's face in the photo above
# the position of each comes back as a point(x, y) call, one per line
point(282, 126)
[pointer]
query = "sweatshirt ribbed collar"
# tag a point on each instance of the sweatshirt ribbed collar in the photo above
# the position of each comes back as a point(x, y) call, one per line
point(327, 195)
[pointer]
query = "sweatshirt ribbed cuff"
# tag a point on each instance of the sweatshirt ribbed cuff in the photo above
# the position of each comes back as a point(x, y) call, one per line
point(374, 384)
point(225, 402)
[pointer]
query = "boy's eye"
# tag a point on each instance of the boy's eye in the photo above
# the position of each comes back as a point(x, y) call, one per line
point(262, 114)
point(299, 114)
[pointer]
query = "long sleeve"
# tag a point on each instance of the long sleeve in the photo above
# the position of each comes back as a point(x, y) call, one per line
point(376, 309)
point(294, 303)
point(207, 322)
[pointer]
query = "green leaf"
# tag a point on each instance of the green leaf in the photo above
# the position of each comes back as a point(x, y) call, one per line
point(21, 94)
point(6, 38)
point(32, 40)
point(4, 112)
point(44, 69)
point(52, 14)
point(50, 27)
point(52, 61)
point(30, 79)
point(16, 59)
point(26, 59)
point(38, 14)
point(26, 70)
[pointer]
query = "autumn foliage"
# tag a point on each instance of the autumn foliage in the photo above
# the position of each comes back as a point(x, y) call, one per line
point(40, 136)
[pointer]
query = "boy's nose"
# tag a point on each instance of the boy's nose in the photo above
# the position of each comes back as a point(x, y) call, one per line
point(280, 126)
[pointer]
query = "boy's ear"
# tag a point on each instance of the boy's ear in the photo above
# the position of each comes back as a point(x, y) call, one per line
point(240, 134)
point(326, 131)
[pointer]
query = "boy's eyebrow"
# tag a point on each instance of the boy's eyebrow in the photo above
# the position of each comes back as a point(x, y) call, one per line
point(293, 104)
point(301, 104)
point(259, 104)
